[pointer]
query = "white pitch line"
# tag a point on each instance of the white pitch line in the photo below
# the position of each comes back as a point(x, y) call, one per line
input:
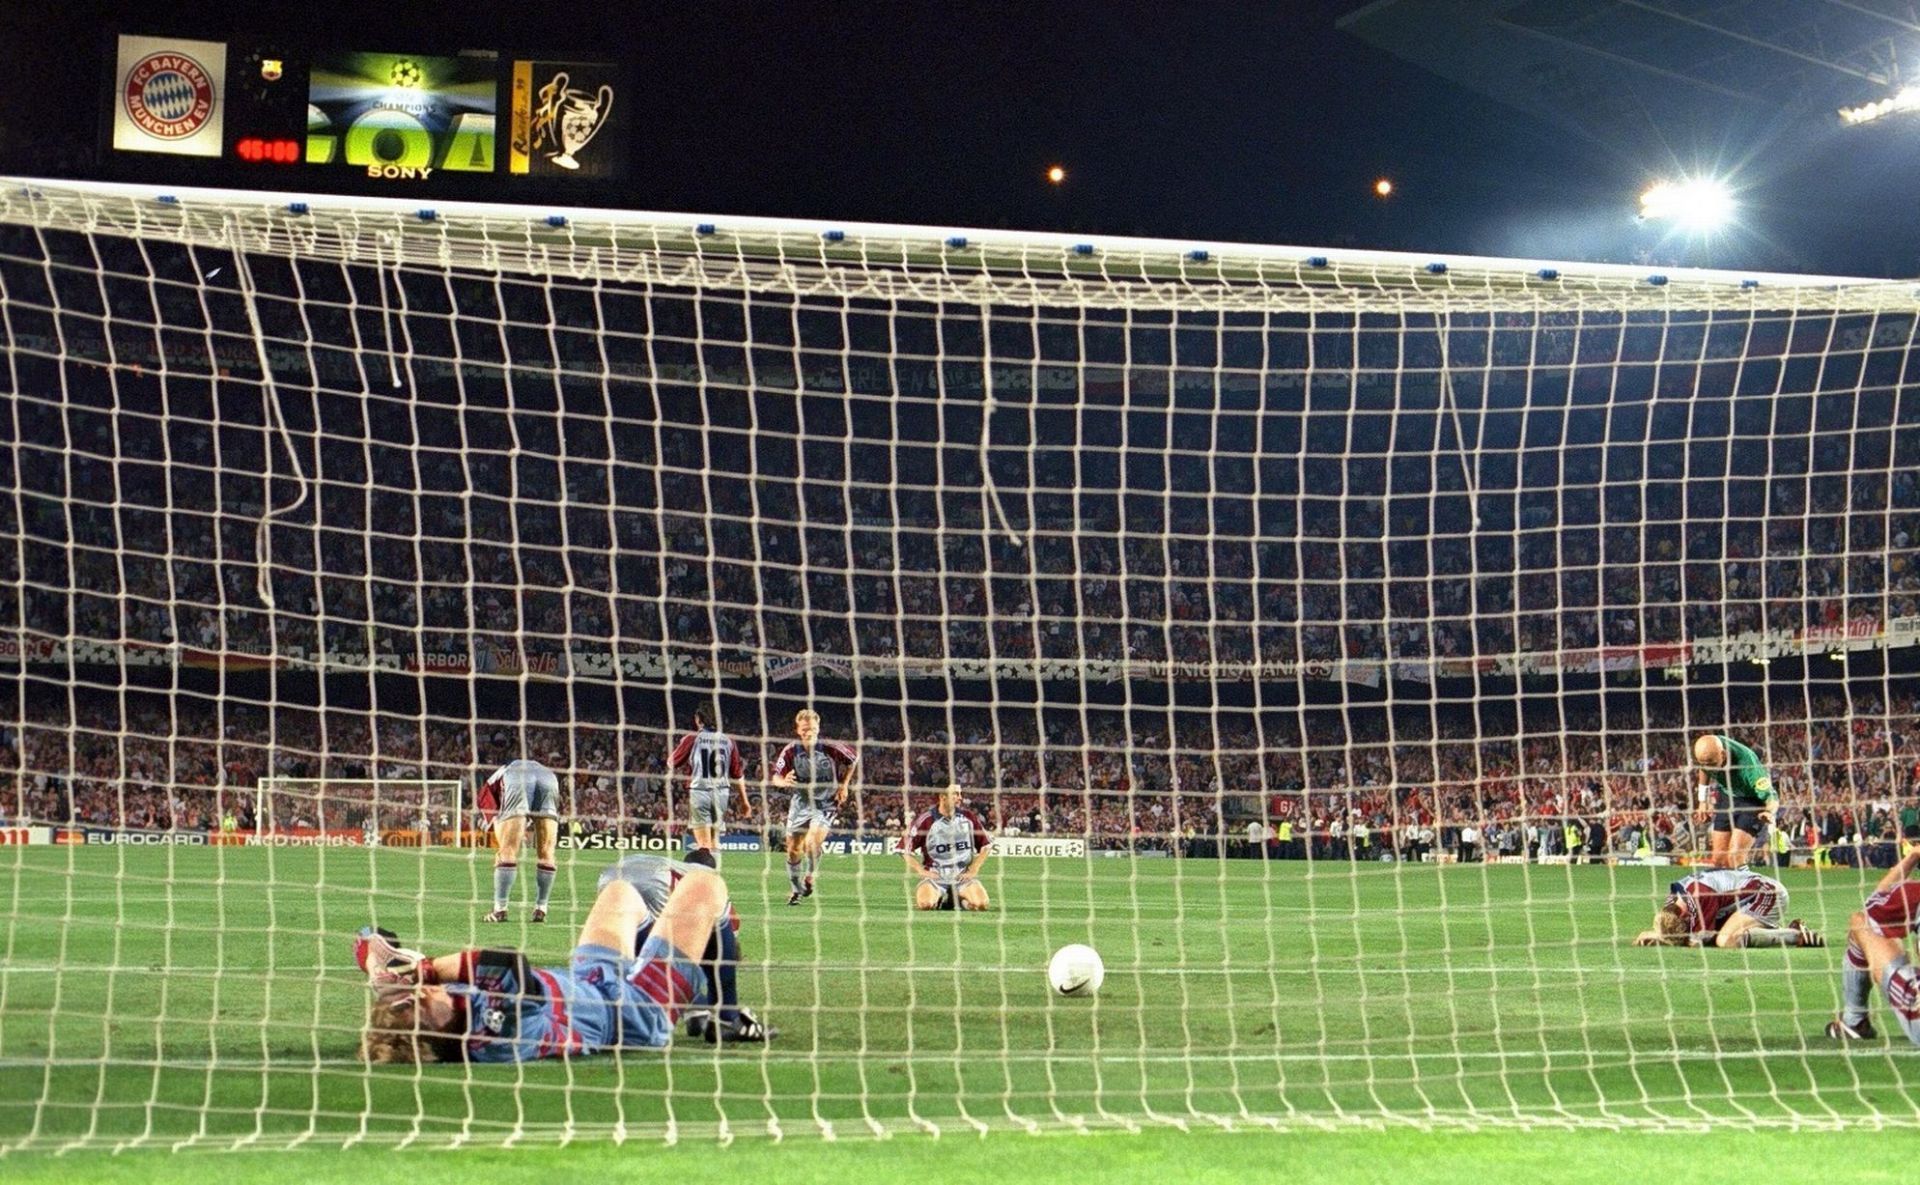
point(1578, 1060)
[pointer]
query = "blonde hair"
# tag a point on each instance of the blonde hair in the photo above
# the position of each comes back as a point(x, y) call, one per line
point(1669, 924)
point(394, 1035)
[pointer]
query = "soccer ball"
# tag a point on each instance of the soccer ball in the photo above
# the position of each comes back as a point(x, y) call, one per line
point(405, 74)
point(1076, 970)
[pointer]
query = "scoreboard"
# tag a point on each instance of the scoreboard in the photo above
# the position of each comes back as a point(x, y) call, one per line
point(388, 115)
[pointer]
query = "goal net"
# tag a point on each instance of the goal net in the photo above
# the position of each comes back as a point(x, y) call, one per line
point(290, 812)
point(1321, 637)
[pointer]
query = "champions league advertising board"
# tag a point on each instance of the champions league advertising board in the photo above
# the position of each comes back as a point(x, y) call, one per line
point(401, 116)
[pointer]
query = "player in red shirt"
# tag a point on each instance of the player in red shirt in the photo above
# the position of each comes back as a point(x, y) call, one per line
point(1876, 953)
point(1727, 908)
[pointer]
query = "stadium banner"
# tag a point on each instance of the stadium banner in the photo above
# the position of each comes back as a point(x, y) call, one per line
point(169, 96)
point(23, 836)
point(610, 841)
point(1039, 845)
point(1863, 633)
point(862, 845)
point(741, 841)
point(303, 837)
point(135, 838)
point(1647, 861)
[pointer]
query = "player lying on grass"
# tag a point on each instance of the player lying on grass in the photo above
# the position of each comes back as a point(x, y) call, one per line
point(1726, 908)
point(810, 769)
point(517, 792)
point(654, 878)
point(1741, 801)
point(1876, 953)
point(493, 1006)
point(945, 850)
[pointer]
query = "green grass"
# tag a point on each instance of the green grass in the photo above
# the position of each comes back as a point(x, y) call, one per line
point(1390, 1157)
point(206, 998)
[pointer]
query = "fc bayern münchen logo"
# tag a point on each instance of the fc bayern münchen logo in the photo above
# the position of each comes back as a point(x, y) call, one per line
point(169, 95)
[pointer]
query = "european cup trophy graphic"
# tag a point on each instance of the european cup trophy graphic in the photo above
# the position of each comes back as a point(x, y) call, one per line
point(568, 118)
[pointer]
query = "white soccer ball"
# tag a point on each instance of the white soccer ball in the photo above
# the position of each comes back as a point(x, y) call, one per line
point(1076, 970)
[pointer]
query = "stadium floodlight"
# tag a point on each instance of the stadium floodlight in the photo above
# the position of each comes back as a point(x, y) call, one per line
point(1907, 98)
point(1700, 203)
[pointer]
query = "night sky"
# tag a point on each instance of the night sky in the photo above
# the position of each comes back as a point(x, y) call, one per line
point(1219, 121)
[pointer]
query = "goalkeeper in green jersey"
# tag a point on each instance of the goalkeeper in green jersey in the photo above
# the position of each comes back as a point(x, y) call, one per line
point(1741, 801)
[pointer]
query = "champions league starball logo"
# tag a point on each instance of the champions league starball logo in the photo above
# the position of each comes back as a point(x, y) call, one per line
point(169, 96)
point(567, 119)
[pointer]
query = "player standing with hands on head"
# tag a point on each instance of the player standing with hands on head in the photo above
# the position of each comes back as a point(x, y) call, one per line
point(1742, 797)
point(809, 767)
point(519, 791)
point(713, 766)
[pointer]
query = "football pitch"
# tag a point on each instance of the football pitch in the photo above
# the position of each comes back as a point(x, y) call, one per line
point(206, 998)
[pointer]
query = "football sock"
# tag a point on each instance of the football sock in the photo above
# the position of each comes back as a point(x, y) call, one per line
point(794, 877)
point(543, 884)
point(1763, 936)
point(813, 863)
point(724, 970)
point(1856, 985)
point(503, 875)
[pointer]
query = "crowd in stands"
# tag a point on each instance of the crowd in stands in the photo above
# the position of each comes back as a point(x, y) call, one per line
point(527, 476)
point(1336, 783)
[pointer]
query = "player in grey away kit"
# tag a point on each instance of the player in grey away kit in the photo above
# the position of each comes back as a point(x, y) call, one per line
point(654, 878)
point(713, 766)
point(945, 850)
point(519, 791)
point(818, 774)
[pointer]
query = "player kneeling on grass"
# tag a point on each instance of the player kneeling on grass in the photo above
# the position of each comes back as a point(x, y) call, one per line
point(493, 1006)
point(1727, 908)
point(1876, 953)
point(654, 878)
point(945, 850)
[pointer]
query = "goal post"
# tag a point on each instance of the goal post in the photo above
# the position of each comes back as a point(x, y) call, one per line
point(1321, 635)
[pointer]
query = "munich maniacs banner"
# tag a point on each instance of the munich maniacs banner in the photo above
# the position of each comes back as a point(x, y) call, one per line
point(169, 96)
point(569, 119)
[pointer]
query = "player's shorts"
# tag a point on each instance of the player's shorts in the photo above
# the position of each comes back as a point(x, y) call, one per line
point(709, 807)
point(1737, 815)
point(1901, 983)
point(647, 993)
point(518, 800)
point(950, 885)
point(803, 817)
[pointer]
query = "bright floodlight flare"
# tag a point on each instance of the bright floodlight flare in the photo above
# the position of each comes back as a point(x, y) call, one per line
point(1698, 204)
point(1383, 187)
point(1907, 98)
point(1056, 174)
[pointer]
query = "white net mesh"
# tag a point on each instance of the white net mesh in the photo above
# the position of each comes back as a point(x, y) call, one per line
point(1303, 629)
